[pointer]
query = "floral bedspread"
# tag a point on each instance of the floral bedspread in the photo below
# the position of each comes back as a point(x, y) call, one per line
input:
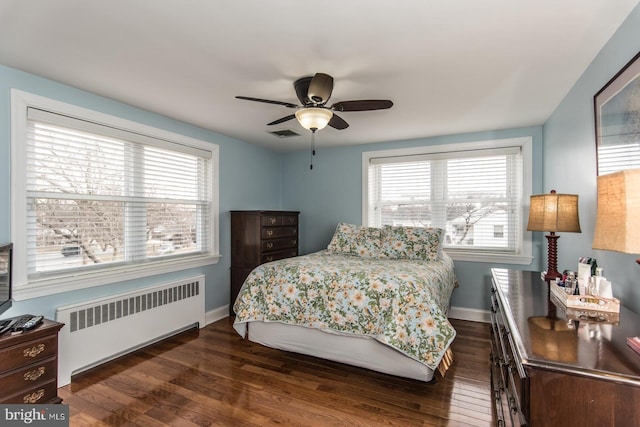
point(400, 303)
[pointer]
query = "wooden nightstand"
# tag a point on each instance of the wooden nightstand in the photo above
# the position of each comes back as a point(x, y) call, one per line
point(29, 365)
point(554, 369)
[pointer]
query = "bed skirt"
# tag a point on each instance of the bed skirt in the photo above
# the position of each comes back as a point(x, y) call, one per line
point(359, 351)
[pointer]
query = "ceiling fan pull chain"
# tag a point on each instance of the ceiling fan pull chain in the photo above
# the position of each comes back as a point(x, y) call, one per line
point(313, 146)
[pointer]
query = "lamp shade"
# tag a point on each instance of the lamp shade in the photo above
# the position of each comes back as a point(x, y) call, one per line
point(618, 217)
point(554, 212)
point(313, 117)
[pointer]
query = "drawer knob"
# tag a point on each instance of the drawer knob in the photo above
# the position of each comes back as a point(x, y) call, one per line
point(294, 241)
point(34, 397)
point(35, 374)
point(269, 233)
point(272, 220)
point(269, 245)
point(33, 351)
point(269, 258)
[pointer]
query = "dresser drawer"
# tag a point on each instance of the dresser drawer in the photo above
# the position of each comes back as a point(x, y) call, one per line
point(274, 256)
point(278, 220)
point(29, 376)
point(44, 393)
point(28, 352)
point(278, 232)
point(279, 244)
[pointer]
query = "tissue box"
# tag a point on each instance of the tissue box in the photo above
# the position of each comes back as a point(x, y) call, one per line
point(585, 302)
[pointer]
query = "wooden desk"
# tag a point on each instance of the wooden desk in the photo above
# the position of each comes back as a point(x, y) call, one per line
point(550, 369)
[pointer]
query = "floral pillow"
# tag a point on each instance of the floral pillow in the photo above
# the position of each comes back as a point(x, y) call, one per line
point(411, 243)
point(356, 240)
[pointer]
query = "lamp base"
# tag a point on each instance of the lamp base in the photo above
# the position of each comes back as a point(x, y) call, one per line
point(552, 258)
point(551, 276)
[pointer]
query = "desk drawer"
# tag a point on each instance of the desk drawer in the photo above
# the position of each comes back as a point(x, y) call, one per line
point(28, 353)
point(510, 381)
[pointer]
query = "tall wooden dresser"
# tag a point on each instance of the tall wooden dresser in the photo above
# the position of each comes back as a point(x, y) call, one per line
point(258, 237)
point(29, 365)
point(557, 367)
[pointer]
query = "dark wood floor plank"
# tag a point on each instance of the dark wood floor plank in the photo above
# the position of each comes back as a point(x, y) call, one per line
point(213, 377)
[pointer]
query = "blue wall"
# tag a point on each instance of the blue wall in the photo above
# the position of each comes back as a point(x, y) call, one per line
point(249, 179)
point(570, 161)
point(332, 193)
point(564, 160)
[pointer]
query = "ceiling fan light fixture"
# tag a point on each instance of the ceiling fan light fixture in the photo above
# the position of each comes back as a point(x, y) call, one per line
point(314, 117)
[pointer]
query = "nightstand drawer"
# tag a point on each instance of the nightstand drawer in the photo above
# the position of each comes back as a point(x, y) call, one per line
point(29, 376)
point(28, 352)
point(45, 393)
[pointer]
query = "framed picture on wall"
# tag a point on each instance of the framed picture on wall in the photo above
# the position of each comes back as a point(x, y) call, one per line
point(617, 120)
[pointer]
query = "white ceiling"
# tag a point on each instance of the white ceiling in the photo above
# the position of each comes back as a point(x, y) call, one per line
point(449, 66)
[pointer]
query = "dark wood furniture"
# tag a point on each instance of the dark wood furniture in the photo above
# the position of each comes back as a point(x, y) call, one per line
point(258, 237)
point(29, 365)
point(551, 367)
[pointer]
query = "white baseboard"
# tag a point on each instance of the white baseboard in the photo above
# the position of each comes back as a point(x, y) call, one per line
point(472, 314)
point(216, 314)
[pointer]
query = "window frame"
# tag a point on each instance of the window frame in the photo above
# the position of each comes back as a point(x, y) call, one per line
point(524, 255)
point(64, 281)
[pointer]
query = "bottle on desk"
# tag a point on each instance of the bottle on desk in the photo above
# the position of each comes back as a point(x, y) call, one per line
point(602, 285)
point(594, 283)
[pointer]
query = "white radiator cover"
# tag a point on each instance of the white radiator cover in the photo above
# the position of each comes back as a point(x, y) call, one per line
point(100, 330)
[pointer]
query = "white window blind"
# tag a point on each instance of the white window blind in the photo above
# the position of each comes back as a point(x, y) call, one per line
point(98, 196)
point(470, 194)
point(616, 154)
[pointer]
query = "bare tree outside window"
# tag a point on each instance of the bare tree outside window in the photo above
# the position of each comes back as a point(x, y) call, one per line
point(102, 200)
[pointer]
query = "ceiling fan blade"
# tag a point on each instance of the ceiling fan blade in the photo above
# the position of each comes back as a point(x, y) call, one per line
point(320, 88)
point(282, 120)
point(337, 122)
point(362, 105)
point(302, 89)
point(268, 101)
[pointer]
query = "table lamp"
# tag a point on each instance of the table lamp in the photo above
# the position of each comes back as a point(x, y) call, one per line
point(618, 217)
point(552, 213)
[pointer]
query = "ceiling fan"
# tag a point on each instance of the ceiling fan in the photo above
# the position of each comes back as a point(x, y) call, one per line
point(314, 114)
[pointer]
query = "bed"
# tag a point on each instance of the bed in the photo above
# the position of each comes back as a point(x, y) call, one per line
point(375, 298)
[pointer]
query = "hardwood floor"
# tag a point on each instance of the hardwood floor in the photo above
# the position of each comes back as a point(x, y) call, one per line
point(214, 377)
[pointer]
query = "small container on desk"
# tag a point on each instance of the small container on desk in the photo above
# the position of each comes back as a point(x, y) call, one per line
point(585, 302)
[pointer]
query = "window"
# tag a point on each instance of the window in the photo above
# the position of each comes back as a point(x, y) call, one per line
point(104, 199)
point(474, 191)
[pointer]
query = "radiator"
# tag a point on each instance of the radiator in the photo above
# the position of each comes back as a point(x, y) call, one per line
point(103, 329)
